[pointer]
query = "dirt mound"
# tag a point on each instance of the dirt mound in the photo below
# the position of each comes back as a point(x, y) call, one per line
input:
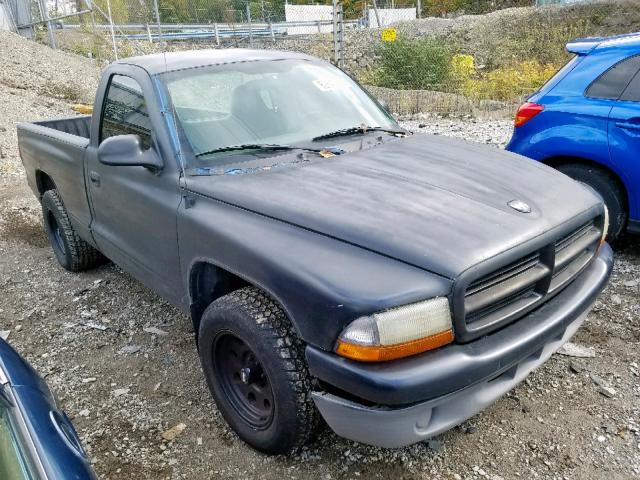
point(37, 82)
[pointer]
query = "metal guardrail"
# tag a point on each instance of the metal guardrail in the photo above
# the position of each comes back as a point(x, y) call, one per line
point(188, 31)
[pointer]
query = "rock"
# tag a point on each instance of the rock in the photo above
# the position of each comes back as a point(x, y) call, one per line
point(616, 300)
point(603, 386)
point(127, 349)
point(574, 350)
point(120, 391)
point(601, 438)
point(155, 331)
point(4, 334)
point(173, 432)
point(97, 326)
point(435, 445)
point(84, 413)
point(576, 367)
point(608, 392)
point(469, 429)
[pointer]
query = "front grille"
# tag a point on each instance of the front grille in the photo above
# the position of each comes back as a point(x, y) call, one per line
point(501, 296)
point(572, 253)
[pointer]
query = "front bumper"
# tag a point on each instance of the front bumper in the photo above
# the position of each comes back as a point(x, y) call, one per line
point(422, 396)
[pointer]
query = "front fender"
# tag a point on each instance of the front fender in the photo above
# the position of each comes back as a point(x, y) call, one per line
point(321, 282)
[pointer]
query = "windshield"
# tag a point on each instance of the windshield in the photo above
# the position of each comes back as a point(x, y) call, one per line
point(275, 102)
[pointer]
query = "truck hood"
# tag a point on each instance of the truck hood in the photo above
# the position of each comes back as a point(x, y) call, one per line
point(437, 203)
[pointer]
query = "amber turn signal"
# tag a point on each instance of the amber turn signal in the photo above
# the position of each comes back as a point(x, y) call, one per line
point(383, 353)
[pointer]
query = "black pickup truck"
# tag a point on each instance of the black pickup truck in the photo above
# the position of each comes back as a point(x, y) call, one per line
point(331, 261)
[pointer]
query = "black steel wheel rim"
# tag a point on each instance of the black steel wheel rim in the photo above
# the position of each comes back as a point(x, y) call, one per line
point(243, 381)
point(56, 233)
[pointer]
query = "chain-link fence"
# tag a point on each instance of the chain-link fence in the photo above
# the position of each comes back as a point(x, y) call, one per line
point(481, 65)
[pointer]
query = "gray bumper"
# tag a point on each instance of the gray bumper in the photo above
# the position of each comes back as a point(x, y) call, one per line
point(391, 428)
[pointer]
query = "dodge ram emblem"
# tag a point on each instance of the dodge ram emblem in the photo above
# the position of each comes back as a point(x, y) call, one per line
point(520, 206)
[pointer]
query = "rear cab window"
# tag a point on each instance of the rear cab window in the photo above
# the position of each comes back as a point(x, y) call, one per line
point(125, 111)
point(612, 83)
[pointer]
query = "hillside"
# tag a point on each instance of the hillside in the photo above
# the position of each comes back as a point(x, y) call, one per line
point(36, 83)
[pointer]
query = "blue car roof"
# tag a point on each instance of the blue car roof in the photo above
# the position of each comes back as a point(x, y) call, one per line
point(584, 46)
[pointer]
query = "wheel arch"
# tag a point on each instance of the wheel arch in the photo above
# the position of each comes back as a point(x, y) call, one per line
point(209, 281)
point(558, 161)
point(44, 182)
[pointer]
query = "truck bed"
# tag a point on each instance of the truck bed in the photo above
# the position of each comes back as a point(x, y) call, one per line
point(53, 151)
point(79, 126)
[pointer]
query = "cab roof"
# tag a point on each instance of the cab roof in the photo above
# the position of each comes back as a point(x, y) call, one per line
point(171, 61)
point(584, 46)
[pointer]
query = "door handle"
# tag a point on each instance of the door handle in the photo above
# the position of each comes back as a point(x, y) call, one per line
point(95, 178)
point(630, 125)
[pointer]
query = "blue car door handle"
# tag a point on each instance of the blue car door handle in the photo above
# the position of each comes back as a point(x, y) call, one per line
point(628, 125)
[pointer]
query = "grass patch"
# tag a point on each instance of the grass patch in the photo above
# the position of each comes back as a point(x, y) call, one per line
point(412, 64)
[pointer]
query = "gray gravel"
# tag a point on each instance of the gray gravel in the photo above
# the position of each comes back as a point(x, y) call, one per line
point(124, 366)
point(37, 83)
point(490, 132)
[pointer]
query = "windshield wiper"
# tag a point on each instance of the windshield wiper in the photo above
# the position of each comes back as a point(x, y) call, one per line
point(362, 129)
point(256, 146)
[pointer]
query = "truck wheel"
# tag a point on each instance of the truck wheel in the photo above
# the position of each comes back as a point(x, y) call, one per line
point(608, 188)
point(73, 253)
point(255, 367)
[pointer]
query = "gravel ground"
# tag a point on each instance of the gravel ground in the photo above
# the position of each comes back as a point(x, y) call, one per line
point(123, 362)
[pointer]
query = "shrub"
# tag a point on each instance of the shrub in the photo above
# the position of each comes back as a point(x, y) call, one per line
point(463, 67)
point(508, 83)
point(413, 64)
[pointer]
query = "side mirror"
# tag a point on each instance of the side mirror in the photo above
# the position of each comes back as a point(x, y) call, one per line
point(127, 150)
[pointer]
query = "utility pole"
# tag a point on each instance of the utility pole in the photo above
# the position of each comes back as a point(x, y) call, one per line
point(157, 12)
point(375, 10)
point(45, 18)
point(113, 33)
point(338, 33)
point(93, 16)
point(249, 20)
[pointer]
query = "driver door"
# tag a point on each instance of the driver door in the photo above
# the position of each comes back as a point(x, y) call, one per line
point(135, 208)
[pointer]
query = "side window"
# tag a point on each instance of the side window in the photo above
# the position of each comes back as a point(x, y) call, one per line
point(13, 462)
point(612, 83)
point(125, 111)
point(632, 93)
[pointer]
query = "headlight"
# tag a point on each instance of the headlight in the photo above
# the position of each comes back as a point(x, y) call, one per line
point(605, 227)
point(399, 332)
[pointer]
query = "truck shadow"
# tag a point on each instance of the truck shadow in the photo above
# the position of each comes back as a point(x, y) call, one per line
point(22, 226)
point(629, 246)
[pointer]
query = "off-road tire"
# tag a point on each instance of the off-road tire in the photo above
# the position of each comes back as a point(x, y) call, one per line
point(609, 189)
point(73, 253)
point(254, 318)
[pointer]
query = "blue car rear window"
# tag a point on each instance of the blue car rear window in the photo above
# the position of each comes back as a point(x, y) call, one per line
point(612, 83)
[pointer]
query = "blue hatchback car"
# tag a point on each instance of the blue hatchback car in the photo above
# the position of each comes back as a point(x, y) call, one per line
point(585, 122)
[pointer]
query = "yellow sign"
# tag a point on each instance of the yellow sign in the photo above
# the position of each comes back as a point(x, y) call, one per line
point(389, 35)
